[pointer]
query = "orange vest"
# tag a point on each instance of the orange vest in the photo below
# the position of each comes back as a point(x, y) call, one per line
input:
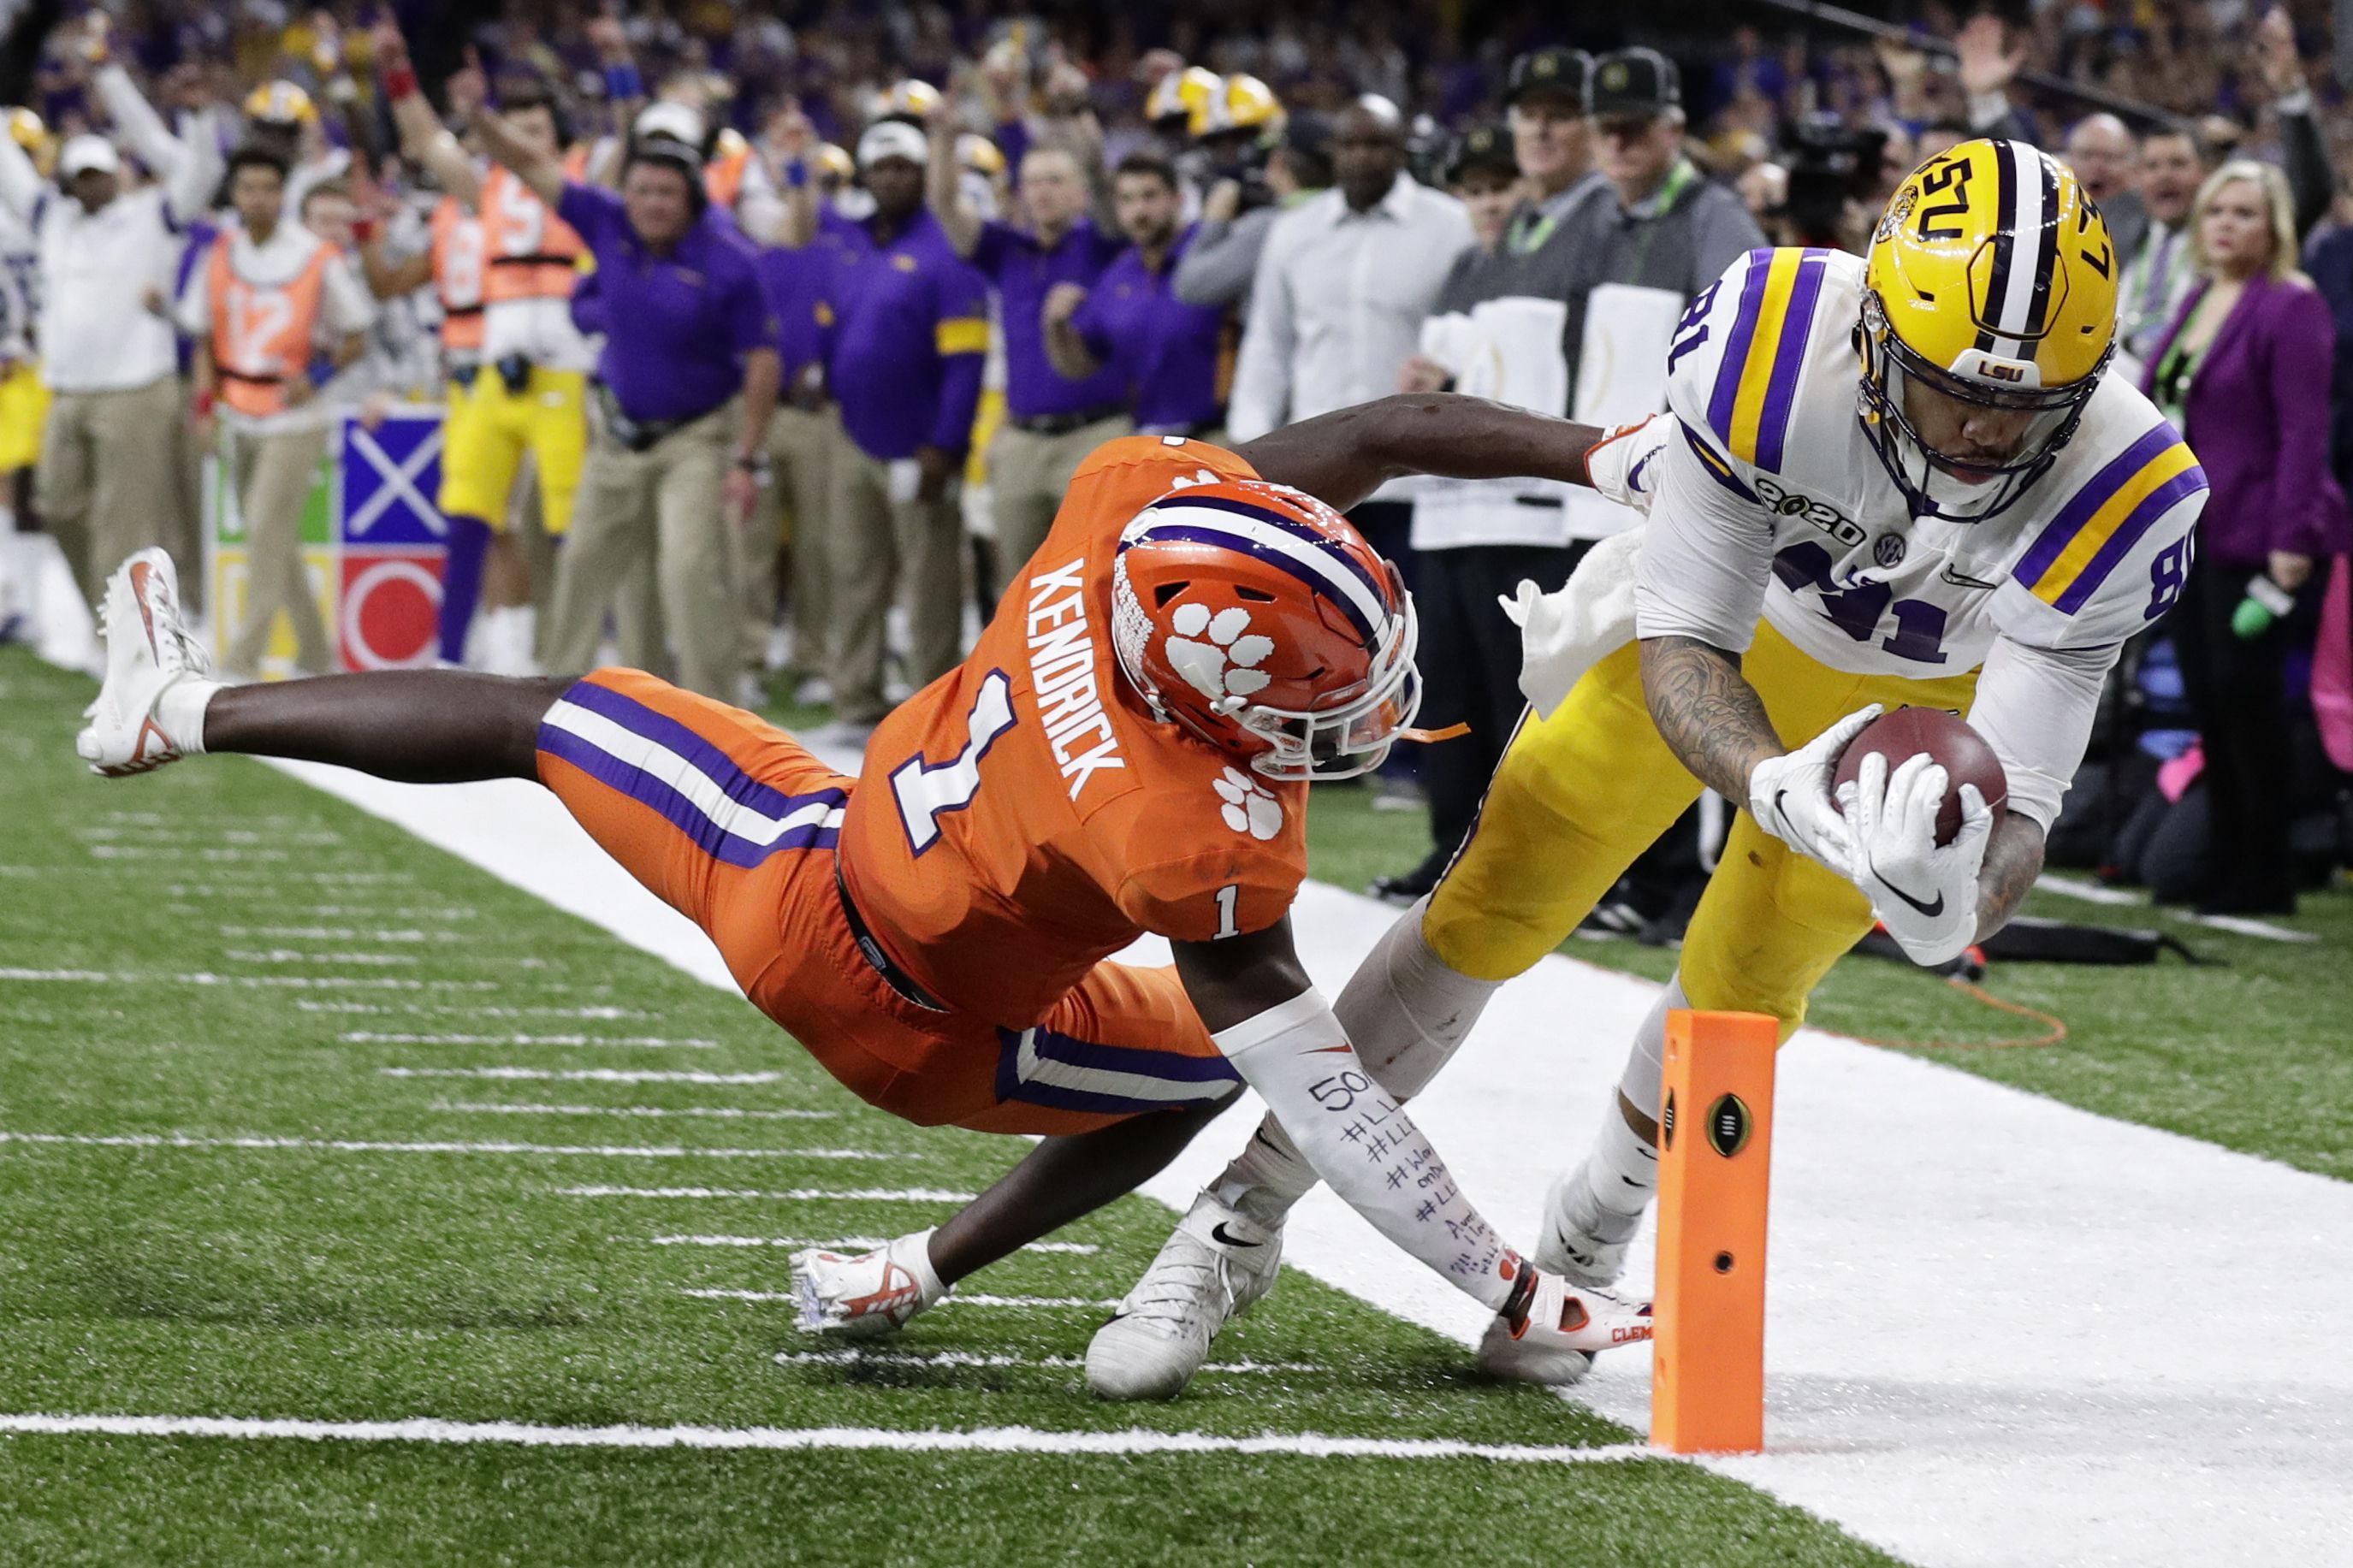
point(531, 251)
point(722, 177)
point(458, 258)
point(262, 336)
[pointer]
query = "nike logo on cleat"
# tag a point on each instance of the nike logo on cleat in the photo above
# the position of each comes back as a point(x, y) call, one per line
point(1217, 1234)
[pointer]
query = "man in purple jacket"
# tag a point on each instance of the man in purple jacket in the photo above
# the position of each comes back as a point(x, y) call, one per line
point(906, 332)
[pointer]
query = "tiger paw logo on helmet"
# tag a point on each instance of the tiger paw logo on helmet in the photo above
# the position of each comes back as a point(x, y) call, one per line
point(1217, 654)
point(1248, 806)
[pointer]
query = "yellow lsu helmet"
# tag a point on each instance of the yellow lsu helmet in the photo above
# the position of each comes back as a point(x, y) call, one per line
point(1182, 95)
point(280, 103)
point(979, 155)
point(1991, 279)
point(834, 162)
point(1242, 103)
point(25, 127)
point(909, 100)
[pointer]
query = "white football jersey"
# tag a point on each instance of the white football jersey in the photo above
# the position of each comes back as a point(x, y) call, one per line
point(1770, 498)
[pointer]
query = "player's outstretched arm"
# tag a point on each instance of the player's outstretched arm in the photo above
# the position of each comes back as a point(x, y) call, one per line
point(1280, 1034)
point(1342, 456)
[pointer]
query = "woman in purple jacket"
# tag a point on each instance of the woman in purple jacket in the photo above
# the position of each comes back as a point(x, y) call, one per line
point(2244, 370)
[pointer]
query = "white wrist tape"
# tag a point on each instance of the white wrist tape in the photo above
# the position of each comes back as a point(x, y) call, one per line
point(1364, 1145)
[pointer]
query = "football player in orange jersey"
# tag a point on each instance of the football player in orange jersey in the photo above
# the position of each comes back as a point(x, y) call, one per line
point(1125, 751)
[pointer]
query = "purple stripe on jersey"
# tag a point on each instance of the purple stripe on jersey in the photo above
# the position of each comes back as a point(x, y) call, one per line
point(1196, 534)
point(1069, 1051)
point(682, 813)
point(2153, 505)
point(1719, 467)
point(2086, 502)
point(1736, 349)
point(1788, 359)
point(692, 747)
point(1290, 525)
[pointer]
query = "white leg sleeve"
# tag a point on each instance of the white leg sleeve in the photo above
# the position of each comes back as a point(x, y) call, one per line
point(1406, 1012)
point(1359, 1140)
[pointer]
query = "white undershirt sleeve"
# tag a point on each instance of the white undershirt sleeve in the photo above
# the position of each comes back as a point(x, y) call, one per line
point(2035, 707)
point(1364, 1145)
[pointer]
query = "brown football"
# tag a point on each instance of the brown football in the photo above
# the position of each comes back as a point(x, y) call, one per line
point(1962, 752)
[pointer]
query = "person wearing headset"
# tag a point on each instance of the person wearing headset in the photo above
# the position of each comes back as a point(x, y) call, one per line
point(686, 382)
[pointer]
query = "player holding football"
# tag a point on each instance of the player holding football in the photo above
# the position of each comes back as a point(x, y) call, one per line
point(1977, 522)
point(1125, 751)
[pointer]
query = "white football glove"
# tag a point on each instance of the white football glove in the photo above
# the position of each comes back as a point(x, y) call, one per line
point(855, 1297)
point(1790, 795)
point(1926, 897)
point(1550, 1331)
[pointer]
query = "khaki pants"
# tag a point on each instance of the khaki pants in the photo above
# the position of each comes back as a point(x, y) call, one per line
point(873, 538)
point(107, 477)
point(800, 443)
point(662, 504)
point(1027, 477)
point(273, 475)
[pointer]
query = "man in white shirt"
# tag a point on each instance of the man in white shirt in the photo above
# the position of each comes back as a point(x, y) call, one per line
point(276, 310)
point(107, 474)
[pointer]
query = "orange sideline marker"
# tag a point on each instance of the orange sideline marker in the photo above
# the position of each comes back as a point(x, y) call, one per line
point(1716, 1155)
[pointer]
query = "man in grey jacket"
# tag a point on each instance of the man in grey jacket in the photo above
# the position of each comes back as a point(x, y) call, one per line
point(1223, 258)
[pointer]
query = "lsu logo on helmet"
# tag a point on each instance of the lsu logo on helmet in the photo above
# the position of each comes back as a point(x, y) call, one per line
point(1991, 281)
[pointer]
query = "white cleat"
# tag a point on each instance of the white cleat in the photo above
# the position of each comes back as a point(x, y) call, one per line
point(1583, 1243)
point(149, 651)
point(1550, 1331)
point(1214, 1266)
point(859, 1296)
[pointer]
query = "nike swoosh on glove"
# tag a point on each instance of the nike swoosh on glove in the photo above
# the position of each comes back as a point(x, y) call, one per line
point(1790, 795)
point(1924, 895)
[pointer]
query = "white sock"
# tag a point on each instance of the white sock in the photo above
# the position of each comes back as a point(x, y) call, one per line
point(180, 711)
point(913, 1254)
point(1267, 1178)
point(1620, 1173)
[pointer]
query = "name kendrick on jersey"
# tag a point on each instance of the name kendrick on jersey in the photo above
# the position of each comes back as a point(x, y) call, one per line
point(1062, 676)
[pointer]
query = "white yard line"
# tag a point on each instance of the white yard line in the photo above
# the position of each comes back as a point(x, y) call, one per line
point(790, 1298)
point(1980, 1354)
point(984, 1440)
point(375, 1146)
point(714, 1112)
point(855, 1358)
point(585, 1075)
point(790, 1194)
point(834, 1244)
point(417, 1009)
point(635, 1042)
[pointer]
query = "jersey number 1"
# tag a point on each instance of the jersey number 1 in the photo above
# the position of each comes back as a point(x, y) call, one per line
point(924, 790)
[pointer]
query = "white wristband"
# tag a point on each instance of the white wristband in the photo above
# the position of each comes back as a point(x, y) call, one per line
point(1365, 1146)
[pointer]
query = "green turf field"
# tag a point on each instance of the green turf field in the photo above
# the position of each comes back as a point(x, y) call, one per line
point(218, 953)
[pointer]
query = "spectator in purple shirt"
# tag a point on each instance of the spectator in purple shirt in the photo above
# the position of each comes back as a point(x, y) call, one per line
point(1164, 352)
point(1052, 421)
point(685, 386)
point(905, 335)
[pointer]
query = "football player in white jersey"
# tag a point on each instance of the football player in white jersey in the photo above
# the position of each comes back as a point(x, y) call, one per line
point(1905, 479)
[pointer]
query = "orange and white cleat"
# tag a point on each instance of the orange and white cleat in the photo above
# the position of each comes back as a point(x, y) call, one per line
point(149, 710)
point(846, 1296)
point(1550, 1331)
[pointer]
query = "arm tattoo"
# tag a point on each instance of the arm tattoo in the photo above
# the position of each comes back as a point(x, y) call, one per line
point(2013, 859)
point(1711, 718)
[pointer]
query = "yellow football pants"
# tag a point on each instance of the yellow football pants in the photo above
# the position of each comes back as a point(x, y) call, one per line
point(488, 431)
point(1578, 796)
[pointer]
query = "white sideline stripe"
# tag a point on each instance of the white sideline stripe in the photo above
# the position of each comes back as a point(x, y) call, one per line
point(2240, 925)
point(700, 791)
point(289, 981)
point(833, 1244)
point(970, 1358)
point(641, 1042)
point(1893, 1270)
point(982, 1440)
point(793, 1297)
point(380, 1009)
point(586, 1074)
point(374, 1146)
point(790, 1194)
point(719, 1112)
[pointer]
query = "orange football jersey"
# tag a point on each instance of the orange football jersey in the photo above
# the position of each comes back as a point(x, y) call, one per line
point(1023, 817)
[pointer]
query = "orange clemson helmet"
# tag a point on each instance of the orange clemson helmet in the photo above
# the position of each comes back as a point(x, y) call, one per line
point(1258, 618)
